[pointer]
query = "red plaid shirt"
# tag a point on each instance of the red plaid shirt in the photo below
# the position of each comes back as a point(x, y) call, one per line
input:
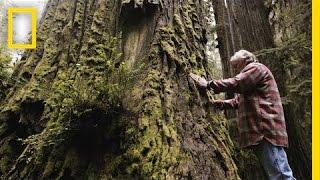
point(259, 105)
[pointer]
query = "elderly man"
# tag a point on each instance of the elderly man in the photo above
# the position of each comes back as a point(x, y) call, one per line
point(261, 121)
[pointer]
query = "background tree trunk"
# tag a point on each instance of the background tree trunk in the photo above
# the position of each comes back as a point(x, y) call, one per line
point(279, 33)
point(52, 128)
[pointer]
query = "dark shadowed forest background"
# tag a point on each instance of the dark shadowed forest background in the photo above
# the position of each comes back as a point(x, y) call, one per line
point(106, 93)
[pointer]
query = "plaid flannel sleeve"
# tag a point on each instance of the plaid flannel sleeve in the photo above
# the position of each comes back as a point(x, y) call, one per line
point(241, 83)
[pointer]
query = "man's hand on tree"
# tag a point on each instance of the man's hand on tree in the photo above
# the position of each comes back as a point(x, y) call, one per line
point(199, 80)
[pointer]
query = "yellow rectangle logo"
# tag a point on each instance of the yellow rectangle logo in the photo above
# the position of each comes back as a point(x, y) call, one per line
point(33, 12)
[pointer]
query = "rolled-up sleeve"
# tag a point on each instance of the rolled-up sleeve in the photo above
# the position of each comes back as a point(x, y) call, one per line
point(241, 83)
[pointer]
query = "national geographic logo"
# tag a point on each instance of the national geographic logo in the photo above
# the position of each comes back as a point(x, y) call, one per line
point(22, 10)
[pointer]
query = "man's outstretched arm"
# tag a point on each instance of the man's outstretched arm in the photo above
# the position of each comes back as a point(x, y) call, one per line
point(227, 104)
point(241, 83)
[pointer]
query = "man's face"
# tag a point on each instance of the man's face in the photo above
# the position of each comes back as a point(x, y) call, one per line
point(238, 65)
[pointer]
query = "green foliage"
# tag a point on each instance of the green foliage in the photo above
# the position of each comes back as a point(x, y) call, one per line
point(5, 67)
point(117, 83)
point(72, 98)
point(50, 136)
point(5, 71)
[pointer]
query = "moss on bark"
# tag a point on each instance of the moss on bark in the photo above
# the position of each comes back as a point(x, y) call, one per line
point(90, 124)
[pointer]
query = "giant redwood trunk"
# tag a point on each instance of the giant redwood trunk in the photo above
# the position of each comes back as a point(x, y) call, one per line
point(279, 33)
point(55, 125)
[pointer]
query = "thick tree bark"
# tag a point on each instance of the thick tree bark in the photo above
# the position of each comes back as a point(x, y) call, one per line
point(162, 128)
point(262, 27)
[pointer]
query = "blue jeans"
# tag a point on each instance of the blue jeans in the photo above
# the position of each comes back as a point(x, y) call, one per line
point(274, 161)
